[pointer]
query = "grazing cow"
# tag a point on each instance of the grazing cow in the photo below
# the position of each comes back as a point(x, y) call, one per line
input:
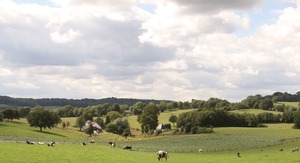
point(200, 151)
point(281, 149)
point(295, 149)
point(28, 142)
point(113, 145)
point(110, 143)
point(238, 154)
point(83, 144)
point(261, 150)
point(41, 143)
point(162, 154)
point(93, 141)
point(51, 145)
point(127, 147)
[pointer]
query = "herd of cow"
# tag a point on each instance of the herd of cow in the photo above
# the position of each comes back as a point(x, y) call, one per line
point(160, 154)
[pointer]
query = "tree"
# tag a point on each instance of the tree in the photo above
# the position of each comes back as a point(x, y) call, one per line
point(67, 124)
point(87, 115)
point(10, 113)
point(64, 124)
point(80, 121)
point(99, 121)
point(180, 105)
point(89, 130)
point(266, 104)
point(41, 119)
point(111, 127)
point(297, 122)
point(56, 118)
point(173, 119)
point(126, 133)
point(116, 107)
point(113, 115)
point(149, 118)
point(121, 124)
point(1, 116)
point(36, 108)
point(24, 111)
point(107, 121)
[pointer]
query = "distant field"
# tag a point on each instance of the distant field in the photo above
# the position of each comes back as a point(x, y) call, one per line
point(3, 106)
point(51, 107)
point(254, 111)
point(295, 104)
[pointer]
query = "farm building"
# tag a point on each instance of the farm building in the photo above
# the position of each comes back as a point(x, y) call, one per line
point(163, 127)
point(97, 128)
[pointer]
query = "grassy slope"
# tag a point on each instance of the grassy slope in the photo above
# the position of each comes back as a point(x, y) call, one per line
point(14, 152)
point(295, 104)
point(254, 111)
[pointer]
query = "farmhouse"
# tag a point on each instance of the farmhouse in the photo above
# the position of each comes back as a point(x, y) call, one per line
point(97, 128)
point(163, 127)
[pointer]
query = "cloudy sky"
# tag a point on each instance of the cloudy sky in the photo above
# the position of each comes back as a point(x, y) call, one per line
point(150, 49)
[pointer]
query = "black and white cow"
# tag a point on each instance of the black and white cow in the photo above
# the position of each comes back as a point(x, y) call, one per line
point(93, 141)
point(28, 142)
point(127, 147)
point(162, 154)
point(113, 145)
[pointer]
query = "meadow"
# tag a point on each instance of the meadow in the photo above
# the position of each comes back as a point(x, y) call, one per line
point(221, 146)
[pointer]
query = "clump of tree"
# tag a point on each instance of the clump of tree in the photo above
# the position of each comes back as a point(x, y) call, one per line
point(89, 130)
point(1, 116)
point(173, 119)
point(10, 114)
point(42, 119)
point(24, 111)
point(80, 121)
point(149, 118)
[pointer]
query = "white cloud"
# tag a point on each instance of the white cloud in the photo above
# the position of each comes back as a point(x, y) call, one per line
point(5, 72)
point(290, 74)
point(21, 84)
point(64, 38)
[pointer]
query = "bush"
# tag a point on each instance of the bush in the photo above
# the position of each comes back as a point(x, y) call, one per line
point(158, 132)
point(182, 129)
point(262, 125)
point(167, 126)
point(176, 131)
point(194, 130)
point(188, 127)
point(111, 127)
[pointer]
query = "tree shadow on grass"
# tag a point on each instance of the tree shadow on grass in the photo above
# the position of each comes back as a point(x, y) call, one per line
point(1, 125)
point(49, 133)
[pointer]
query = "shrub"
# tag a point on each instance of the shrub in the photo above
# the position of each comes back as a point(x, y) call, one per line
point(188, 127)
point(194, 130)
point(262, 125)
point(158, 132)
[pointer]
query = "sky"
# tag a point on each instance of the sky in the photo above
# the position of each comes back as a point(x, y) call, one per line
point(149, 49)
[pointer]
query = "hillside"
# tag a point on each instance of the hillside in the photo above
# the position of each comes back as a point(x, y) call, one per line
point(6, 101)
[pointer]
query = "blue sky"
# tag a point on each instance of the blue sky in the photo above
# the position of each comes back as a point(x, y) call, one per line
point(171, 49)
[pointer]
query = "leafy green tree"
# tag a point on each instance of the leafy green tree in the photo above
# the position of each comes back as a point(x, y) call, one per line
point(188, 127)
point(89, 130)
point(99, 121)
point(121, 124)
point(111, 127)
point(180, 105)
point(64, 124)
point(1, 116)
point(67, 124)
point(116, 107)
point(113, 115)
point(36, 108)
point(126, 133)
point(174, 104)
point(173, 119)
point(297, 122)
point(149, 118)
point(162, 105)
point(80, 121)
point(76, 112)
point(107, 121)
point(10, 113)
point(41, 119)
point(56, 118)
point(266, 104)
point(24, 111)
point(87, 115)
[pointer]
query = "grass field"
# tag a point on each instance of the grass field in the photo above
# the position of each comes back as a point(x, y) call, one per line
point(295, 104)
point(221, 146)
point(18, 153)
point(254, 111)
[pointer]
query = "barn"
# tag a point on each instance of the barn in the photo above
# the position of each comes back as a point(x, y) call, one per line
point(97, 127)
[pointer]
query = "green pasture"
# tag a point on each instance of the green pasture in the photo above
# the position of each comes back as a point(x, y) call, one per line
point(295, 104)
point(20, 152)
point(52, 107)
point(255, 111)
